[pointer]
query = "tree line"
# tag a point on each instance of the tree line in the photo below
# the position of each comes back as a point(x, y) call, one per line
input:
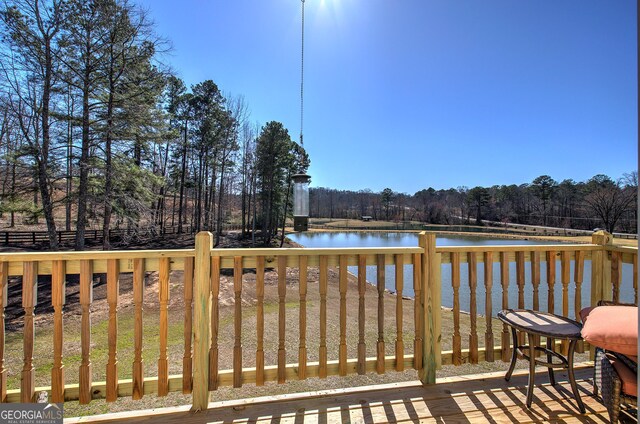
point(600, 201)
point(97, 129)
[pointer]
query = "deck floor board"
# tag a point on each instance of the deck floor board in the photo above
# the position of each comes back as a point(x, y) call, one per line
point(479, 398)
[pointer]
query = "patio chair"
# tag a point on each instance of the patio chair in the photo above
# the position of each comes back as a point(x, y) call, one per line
point(613, 329)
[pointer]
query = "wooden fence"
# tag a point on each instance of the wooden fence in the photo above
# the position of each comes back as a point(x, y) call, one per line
point(197, 274)
point(34, 237)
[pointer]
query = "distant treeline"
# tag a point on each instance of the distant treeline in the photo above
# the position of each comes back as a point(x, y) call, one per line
point(598, 202)
point(96, 131)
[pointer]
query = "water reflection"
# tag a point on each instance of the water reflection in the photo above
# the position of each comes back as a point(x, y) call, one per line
point(382, 239)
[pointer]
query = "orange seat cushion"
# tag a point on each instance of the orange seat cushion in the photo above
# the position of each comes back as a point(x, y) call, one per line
point(612, 328)
point(628, 378)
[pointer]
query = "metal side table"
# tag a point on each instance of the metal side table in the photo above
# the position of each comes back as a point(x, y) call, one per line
point(535, 323)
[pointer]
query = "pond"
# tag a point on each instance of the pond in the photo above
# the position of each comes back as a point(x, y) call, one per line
point(392, 239)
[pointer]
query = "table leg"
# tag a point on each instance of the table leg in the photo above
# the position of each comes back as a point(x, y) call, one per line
point(514, 354)
point(572, 378)
point(552, 377)
point(532, 370)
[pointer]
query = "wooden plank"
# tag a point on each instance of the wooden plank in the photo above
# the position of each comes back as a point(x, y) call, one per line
point(163, 360)
point(520, 284)
point(418, 313)
point(551, 279)
point(322, 354)
point(177, 259)
point(427, 275)
point(58, 278)
point(535, 279)
point(635, 277)
point(362, 288)
point(455, 282)
point(435, 299)
point(473, 312)
point(4, 283)
point(535, 282)
point(488, 285)
point(504, 281)
point(187, 358)
point(260, 322)
point(138, 335)
point(565, 264)
point(86, 298)
point(113, 293)
point(29, 301)
point(399, 271)
point(578, 275)
point(237, 321)
point(201, 318)
point(596, 277)
point(302, 350)
point(342, 349)
point(616, 275)
point(516, 248)
point(380, 347)
point(215, 323)
point(476, 398)
point(520, 278)
point(282, 292)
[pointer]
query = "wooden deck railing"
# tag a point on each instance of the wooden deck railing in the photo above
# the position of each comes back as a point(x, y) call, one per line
point(487, 278)
point(32, 237)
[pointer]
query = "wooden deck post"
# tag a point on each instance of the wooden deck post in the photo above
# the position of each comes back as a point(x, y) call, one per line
point(601, 288)
point(201, 324)
point(431, 300)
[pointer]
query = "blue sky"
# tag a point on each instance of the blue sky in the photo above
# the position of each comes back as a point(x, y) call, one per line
point(410, 94)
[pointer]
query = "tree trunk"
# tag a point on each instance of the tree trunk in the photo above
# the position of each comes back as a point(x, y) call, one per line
point(84, 161)
point(183, 172)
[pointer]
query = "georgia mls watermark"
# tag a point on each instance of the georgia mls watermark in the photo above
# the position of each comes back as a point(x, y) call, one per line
point(31, 413)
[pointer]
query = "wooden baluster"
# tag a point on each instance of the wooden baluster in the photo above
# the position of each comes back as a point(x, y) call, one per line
point(520, 278)
point(138, 298)
point(399, 265)
point(473, 282)
point(342, 349)
point(418, 312)
point(58, 277)
point(504, 281)
point(380, 368)
point(535, 279)
point(302, 351)
point(113, 290)
point(488, 304)
point(455, 282)
point(86, 298)
point(163, 360)
point(237, 320)
point(551, 279)
point(362, 287)
point(260, 321)
point(4, 283)
point(282, 292)
point(322, 372)
point(578, 275)
point(535, 282)
point(29, 301)
point(520, 284)
point(616, 275)
point(565, 264)
point(635, 277)
point(187, 359)
point(215, 322)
